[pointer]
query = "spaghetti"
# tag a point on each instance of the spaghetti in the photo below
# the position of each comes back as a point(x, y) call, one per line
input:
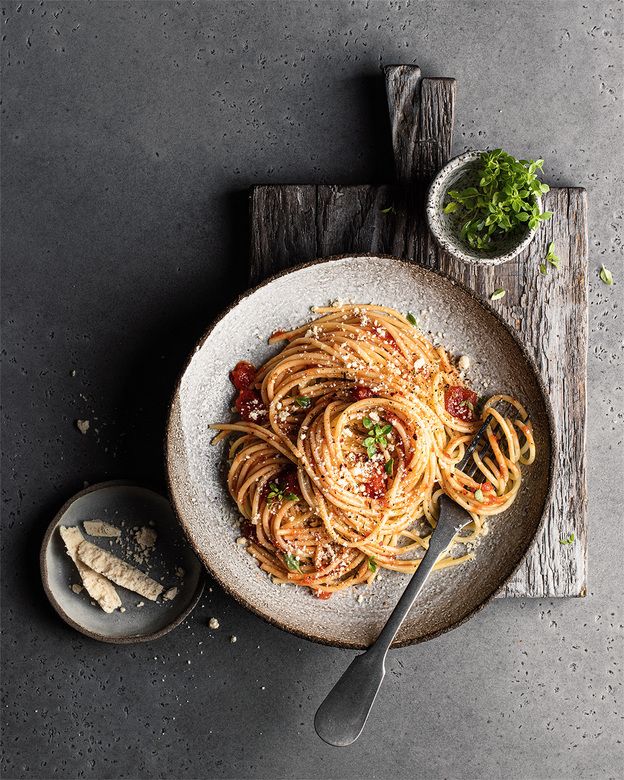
point(346, 439)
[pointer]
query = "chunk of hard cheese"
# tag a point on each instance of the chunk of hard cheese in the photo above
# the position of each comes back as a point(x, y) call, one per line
point(120, 572)
point(98, 587)
point(100, 528)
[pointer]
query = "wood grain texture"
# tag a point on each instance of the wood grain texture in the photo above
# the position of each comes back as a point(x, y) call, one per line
point(296, 223)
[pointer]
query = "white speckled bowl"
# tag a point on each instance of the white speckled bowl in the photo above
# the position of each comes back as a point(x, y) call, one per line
point(459, 172)
point(204, 394)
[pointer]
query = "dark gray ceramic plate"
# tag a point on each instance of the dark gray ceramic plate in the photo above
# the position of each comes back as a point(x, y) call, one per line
point(136, 506)
point(204, 395)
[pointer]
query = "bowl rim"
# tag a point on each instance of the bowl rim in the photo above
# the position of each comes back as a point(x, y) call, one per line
point(229, 587)
point(452, 247)
point(58, 607)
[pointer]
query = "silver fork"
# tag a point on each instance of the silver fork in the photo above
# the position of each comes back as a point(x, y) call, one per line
point(342, 716)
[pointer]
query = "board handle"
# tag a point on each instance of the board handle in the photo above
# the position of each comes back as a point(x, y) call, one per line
point(422, 112)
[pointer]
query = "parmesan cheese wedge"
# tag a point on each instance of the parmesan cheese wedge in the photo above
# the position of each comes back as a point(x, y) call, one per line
point(120, 572)
point(98, 587)
point(100, 528)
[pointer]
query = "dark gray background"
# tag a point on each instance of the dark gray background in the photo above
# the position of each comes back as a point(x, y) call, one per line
point(131, 131)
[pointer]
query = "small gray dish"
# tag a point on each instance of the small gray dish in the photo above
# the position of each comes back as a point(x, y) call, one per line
point(120, 502)
point(462, 171)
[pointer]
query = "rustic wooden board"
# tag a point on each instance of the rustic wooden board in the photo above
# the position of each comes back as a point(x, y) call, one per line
point(291, 224)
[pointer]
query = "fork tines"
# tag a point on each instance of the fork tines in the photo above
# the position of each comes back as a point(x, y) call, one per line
point(468, 466)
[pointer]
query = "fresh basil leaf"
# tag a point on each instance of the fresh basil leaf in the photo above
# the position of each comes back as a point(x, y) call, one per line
point(605, 275)
point(292, 563)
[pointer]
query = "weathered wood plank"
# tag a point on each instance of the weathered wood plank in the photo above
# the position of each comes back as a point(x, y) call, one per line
point(550, 314)
point(283, 231)
point(291, 224)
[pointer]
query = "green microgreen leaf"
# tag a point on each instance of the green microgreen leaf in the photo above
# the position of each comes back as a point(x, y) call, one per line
point(303, 401)
point(411, 319)
point(292, 563)
point(551, 257)
point(500, 293)
point(478, 494)
point(543, 268)
point(277, 493)
point(569, 539)
point(504, 201)
point(372, 565)
point(376, 438)
point(605, 275)
point(389, 467)
point(388, 210)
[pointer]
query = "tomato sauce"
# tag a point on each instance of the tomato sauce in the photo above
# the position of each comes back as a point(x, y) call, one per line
point(460, 402)
point(250, 407)
point(289, 482)
point(360, 392)
point(248, 530)
point(376, 484)
point(323, 594)
point(243, 375)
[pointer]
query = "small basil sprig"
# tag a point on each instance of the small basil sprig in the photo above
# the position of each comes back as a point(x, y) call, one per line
point(303, 401)
point(551, 258)
point(277, 493)
point(373, 565)
point(377, 433)
point(504, 200)
point(292, 563)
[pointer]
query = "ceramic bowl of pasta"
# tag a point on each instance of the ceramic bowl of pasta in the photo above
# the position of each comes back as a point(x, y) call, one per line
point(318, 422)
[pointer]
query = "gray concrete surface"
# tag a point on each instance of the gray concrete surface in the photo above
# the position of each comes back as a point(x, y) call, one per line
point(130, 133)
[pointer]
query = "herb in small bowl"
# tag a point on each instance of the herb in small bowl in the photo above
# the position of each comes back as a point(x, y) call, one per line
point(484, 207)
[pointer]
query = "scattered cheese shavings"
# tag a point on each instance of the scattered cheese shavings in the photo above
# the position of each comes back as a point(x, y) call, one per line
point(213, 623)
point(83, 425)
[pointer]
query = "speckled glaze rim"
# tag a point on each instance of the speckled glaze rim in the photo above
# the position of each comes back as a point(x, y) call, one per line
point(434, 218)
point(43, 565)
point(229, 587)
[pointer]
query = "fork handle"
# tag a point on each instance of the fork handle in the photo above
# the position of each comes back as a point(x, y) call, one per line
point(438, 542)
point(342, 716)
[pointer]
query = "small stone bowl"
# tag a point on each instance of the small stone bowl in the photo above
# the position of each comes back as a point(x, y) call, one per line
point(460, 172)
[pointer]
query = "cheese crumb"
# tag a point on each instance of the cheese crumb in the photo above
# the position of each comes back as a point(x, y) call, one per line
point(83, 425)
point(464, 363)
point(170, 594)
point(233, 639)
point(100, 528)
point(146, 537)
point(213, 623)
point(77, 588)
